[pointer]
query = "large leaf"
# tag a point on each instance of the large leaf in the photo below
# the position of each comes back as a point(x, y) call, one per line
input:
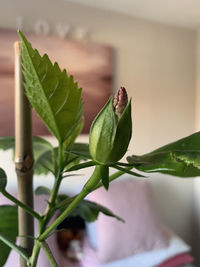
point(45, 163)
point(44, 156)
point(89, 211)
point(180, 158)
point(3, 180)
point(7, 142)
point(52, 93)
point(42, 190)
point(9, 227)
point(44, 153)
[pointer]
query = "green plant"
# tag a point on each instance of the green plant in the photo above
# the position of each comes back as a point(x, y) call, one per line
point(57, 100)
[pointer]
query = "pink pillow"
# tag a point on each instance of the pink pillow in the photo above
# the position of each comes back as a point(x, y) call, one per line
point(142, 230)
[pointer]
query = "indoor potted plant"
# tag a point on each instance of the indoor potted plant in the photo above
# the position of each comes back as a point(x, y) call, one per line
point(57, 100)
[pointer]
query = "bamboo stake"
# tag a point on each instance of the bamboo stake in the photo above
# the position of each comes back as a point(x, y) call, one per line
point(23, 157)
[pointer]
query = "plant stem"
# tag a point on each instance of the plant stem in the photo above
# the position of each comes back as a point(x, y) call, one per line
point(60, 154)
point(50, 256)
point(88, 187)
point(51, 202)
point(91, 185)
point(33, 259)
point(57, 182)
point(22, 205)
point(69, 200)
point(9, 243)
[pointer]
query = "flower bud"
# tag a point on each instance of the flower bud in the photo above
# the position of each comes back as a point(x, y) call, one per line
point(120, 101)
point(111, 130)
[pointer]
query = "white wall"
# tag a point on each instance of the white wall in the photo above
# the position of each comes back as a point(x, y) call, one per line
point(157, 65)
point(197, 128)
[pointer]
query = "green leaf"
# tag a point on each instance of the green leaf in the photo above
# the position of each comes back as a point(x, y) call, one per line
point(40, 145)
point(127, 170)
point(21, 251)
point(42, 190)
point(44, 153)
point(105, 176)
point(80, 149)
point(44, 156)
point(180, 158)
point(9, 228)
point(3, 180)
point(81, 166)
point(52, 93)
point(70, 140)
point(89, 211)
point(70, 159)
point(7, 142)
point(45, 163)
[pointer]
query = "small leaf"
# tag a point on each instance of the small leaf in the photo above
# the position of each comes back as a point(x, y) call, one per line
point(71, 161)
point(52, 93)
point(127, 170)
point(82, 166)
point(89, 211)
point(42, 190)
point(9, 228)
point(81, 149)
point(180, 158)
point(3, 180)
point(21, 251)
point(105, 176)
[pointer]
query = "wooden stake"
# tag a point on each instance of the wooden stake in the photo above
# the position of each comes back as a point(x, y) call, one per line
point(23, 156)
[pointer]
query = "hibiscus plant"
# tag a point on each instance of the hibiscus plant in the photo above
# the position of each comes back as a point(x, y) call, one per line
point(57, 99)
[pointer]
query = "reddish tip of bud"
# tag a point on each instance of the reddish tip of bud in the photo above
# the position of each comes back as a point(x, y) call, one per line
point(120, 101)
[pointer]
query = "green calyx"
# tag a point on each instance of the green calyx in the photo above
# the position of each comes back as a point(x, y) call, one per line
point(110, 135)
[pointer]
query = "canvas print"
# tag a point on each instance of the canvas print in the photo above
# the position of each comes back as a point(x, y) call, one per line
point(89, 63)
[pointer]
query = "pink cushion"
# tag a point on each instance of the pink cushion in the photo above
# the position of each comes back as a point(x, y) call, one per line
point(142, 230)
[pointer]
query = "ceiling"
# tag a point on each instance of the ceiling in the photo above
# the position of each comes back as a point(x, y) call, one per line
point(184, 13)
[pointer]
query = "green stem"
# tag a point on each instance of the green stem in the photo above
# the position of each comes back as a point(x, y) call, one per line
point(60, 154)
point(9, 243)
point(88, 187)
point(69, 200)
point(49, 254)
point(22, 205)
point(36, 250)
point(57, 182)
point(51, 202)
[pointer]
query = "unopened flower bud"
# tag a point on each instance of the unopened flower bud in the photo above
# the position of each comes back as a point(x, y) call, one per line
point(111, 130)
point(120, 101)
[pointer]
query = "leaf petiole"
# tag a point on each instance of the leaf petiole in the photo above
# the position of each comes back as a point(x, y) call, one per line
point(12, 245)
point(22, 205)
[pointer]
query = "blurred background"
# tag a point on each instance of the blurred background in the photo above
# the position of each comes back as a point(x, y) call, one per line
point(155, 56)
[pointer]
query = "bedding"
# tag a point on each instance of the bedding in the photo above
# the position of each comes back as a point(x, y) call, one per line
point(155, 258)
